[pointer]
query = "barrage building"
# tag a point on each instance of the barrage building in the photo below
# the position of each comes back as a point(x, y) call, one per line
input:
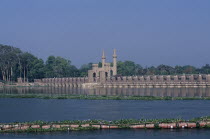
point(99, 74)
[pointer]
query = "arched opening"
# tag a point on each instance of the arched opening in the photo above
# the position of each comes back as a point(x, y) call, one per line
point(94, 75)
point(111, 72)
point(106, 74)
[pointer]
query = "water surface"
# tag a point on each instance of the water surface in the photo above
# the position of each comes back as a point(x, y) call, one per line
point(115, 134)
point(30, 109)
point(171, 92)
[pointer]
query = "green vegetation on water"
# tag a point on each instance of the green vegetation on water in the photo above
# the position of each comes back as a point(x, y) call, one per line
point(99, 97)
point(48, 130)
point(114, 122)
point(91, 124)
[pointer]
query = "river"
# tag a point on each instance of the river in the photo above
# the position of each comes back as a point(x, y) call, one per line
point(31, 109)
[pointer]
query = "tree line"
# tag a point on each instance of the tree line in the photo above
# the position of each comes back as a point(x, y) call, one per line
point(15, 63)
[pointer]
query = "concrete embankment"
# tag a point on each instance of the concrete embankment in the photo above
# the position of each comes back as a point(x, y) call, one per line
point(46, 127)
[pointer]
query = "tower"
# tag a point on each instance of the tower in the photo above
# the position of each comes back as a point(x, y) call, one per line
point(103, 59)
point(114, 63)
point(102, 74)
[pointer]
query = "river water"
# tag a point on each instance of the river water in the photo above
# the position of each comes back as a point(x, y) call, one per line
point(115, 134)
point(172, 92)
point(30, 109)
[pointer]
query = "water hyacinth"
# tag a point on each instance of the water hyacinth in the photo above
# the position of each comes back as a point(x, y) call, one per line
point(44, 126)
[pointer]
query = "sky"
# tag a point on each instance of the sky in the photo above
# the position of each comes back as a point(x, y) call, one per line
point(148, 32)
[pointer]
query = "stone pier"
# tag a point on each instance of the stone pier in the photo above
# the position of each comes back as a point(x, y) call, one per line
point(150, 81)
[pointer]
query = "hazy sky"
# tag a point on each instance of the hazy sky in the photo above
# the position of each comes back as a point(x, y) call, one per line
point(149, 32)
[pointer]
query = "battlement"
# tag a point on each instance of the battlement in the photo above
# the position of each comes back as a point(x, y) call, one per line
point(62, 82)
point(196, 80)
point(106, 76)
point(161, 78)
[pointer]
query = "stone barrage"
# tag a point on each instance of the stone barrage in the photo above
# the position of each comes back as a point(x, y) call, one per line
point(151, 81)
point(61, 82)
point(90, 85)
point(99, 74)
point(106, 76)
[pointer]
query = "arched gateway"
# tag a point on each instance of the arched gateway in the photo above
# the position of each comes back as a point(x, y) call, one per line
point(103, 72)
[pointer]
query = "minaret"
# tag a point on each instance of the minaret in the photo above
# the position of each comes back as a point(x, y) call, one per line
point(103, 59)
point(114, 63)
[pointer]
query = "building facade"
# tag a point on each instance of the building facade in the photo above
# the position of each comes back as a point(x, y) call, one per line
point(99, 74)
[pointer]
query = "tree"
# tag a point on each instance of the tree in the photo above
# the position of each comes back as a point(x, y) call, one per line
point(151, 71)
point(60, 67)
point(127, 68)
point(37, 70)
point(84, 69)
point(14, 63)
point(8, 59)
point(50, 63)
point(165, 70)
point(26, 61)
point(189, 69)
point(205, 69)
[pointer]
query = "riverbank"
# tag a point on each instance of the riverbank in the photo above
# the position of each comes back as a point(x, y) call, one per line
point(99, 97)
point(42, 126)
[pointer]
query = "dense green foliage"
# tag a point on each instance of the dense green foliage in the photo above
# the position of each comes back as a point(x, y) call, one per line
point(129, 68)
point(59, 67)
point(14, 63)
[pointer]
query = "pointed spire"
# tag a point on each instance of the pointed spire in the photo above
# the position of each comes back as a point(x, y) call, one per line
point(114, 55)
point(103, 55)
point(114, 63)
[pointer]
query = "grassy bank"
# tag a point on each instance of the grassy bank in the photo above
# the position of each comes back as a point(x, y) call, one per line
point(98, 97)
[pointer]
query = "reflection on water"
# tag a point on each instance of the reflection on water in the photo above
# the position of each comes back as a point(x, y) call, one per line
point(172, 92)
point(21, 110)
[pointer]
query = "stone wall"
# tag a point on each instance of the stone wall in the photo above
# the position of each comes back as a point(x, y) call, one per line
point(62, 82)
point(161, 78)
point(197, 80)
point(159, 81)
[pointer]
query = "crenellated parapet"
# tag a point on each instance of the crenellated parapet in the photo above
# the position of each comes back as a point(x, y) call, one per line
point(62, 82)
point(161, 78)
point(194, 80)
